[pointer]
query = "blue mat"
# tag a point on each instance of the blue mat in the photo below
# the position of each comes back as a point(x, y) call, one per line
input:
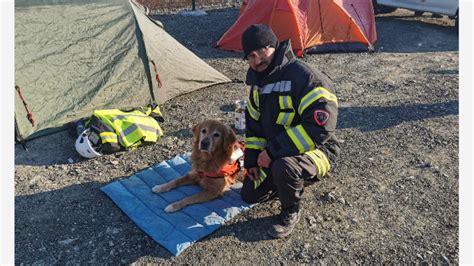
point(174, 231)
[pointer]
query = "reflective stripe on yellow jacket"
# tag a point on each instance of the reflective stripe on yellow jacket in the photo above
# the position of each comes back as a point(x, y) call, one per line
point(131, 128)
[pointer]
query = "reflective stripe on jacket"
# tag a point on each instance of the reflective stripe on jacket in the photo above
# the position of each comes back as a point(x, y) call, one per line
point(129, 128)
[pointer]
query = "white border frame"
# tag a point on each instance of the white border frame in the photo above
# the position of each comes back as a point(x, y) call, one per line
point(7, 221)
point(466, 184)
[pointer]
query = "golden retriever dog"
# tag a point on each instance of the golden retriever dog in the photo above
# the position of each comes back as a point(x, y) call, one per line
point(213, 166)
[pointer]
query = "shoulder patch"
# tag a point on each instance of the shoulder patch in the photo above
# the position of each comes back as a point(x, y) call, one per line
point(321, 117)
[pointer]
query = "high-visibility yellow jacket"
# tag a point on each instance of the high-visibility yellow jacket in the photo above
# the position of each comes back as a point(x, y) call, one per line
point(127, 129)
point(291, 110)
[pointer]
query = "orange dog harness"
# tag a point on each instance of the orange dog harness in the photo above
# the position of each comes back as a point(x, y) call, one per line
point(228, 169)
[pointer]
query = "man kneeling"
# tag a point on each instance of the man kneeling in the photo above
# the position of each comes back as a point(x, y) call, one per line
point(291, 117)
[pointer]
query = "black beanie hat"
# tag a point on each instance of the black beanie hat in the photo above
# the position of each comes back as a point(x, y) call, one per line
point(258, 36)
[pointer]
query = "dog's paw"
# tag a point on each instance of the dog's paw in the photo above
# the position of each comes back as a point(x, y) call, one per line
point(159, 188)
point(171, 208)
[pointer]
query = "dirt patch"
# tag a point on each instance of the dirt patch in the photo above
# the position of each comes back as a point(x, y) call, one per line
point(169, 6)
point(393, 196)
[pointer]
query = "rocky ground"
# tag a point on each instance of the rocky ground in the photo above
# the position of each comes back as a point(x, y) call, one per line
point(393, 196)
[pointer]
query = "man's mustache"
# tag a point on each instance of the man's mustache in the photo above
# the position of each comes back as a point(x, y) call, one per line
point(262, 63)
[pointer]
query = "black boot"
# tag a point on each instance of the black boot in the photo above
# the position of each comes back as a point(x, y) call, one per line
point(289, 217)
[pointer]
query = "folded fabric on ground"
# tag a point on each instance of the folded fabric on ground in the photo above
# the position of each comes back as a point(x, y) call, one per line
point(174, 231)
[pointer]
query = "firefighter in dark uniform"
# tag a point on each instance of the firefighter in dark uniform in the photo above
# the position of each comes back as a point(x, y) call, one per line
point(291, 117)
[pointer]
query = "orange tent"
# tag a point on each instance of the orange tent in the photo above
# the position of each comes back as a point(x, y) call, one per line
point(312, 25)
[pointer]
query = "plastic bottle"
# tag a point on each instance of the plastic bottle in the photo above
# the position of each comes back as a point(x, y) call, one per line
point(240, 106)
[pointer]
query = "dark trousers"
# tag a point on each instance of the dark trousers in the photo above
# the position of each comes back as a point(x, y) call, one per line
point(285, 178)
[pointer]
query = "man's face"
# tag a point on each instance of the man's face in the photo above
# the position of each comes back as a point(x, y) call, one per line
point(261, 58)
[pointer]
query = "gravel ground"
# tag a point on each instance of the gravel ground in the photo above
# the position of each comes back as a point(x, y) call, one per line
point(393, 197)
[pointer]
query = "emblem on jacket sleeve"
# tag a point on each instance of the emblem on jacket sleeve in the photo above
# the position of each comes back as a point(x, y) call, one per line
point(321, 117)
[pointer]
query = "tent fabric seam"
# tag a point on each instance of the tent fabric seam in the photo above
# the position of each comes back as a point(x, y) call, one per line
point(353, 22)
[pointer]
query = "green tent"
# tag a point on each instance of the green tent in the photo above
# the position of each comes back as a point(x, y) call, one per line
point(75, 56)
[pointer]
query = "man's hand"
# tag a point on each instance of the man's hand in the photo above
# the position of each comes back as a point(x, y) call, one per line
point(264, 160)
point(252, 173)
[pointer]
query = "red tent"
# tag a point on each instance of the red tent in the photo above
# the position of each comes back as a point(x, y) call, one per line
point(312, 25)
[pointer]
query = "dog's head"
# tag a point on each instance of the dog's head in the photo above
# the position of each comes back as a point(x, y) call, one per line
point(214, 137)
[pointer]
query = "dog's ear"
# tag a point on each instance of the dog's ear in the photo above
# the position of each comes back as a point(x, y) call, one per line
point(229, 140)
point(196, 130)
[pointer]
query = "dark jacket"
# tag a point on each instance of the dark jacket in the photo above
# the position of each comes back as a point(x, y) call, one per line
point(291, 110)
